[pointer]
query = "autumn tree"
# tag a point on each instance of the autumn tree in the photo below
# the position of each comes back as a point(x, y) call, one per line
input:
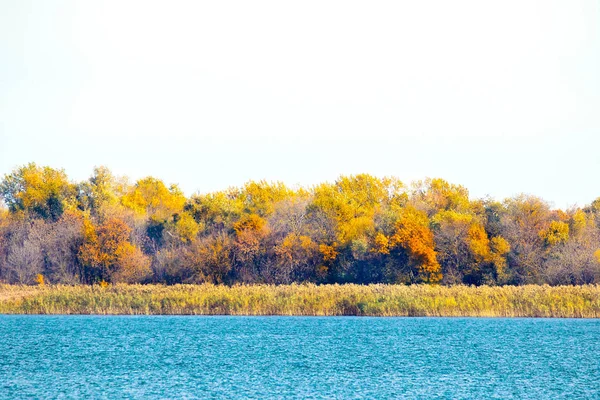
point(347, 209)
point(465, 251)
point(359, 229)
point(164, 209)
point(411, 250)
point(297, 258)
point(215, 211)
point(107, 254)
point(572, 256)
point(211, 258)
point(434, 195)
point(41, 192)
point(260, 197)
point(521, 221)
point(250, 250)
point(100, 195)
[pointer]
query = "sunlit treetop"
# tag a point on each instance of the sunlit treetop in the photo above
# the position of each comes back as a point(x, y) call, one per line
point(433, 195)
point(150, 196)
point(260, 197)
point(40, 191)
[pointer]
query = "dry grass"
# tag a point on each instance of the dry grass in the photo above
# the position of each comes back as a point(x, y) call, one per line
point(306, 299)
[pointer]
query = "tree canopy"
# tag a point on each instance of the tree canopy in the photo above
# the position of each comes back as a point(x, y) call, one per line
point(360, 229)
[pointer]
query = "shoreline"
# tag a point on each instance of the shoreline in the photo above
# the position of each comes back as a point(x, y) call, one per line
point(377, 300)
point(300, 316)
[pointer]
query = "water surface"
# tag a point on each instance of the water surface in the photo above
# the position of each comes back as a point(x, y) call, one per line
point(297, 357)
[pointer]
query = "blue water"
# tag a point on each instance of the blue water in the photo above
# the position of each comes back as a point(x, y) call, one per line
point(296, 357)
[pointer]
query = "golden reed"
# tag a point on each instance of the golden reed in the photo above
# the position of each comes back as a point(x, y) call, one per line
point(306, 299)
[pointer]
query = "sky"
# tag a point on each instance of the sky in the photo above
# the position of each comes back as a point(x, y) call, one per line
point(501, 97)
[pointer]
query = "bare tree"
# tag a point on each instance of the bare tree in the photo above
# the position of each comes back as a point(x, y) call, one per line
point(24, 262)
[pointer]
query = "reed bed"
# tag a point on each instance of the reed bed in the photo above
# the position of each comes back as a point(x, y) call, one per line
point(306, 299)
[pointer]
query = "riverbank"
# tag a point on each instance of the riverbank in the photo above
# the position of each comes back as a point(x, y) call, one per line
point(323, 300)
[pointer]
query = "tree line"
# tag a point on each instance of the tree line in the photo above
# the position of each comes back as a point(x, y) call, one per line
point(358, 229)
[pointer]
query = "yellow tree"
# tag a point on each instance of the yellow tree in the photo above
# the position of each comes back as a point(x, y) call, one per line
point(413, 236)
point(38, 191)
point(579, 222)
point(260, 197)
point(435, 195)
point(556, 233)
point(465, 250)
point(351, 204)
point(352, 201)
point(215, 211)
point(499, 249)
point(150, 196)
point(164, 207)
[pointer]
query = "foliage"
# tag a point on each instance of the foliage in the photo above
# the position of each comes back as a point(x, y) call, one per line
point(359, 229)
point(38, 191)
point(107, 254)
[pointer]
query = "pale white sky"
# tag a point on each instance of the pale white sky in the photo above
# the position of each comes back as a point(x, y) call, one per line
point(502, 97)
